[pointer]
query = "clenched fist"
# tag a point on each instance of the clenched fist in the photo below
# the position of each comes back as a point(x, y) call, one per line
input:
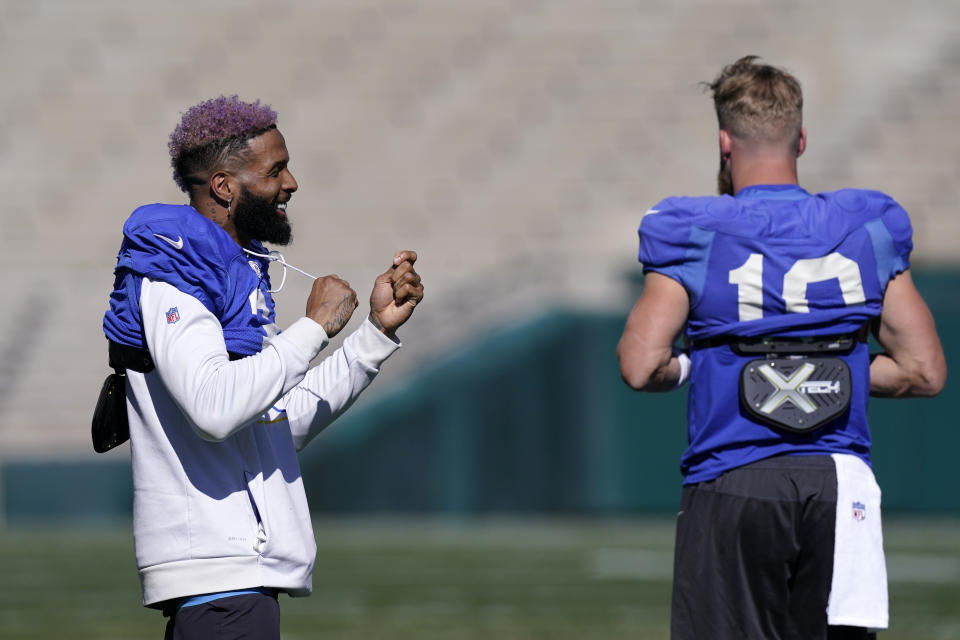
point(396, 292)
point(331, 303)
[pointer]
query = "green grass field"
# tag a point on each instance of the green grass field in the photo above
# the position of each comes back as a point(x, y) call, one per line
point(463, 579)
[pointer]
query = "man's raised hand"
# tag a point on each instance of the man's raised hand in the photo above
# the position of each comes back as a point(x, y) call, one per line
point(396, 292)
point(331, 303)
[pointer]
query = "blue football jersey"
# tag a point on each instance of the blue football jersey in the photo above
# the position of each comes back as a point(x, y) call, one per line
point(773, 261)
point(177, 245)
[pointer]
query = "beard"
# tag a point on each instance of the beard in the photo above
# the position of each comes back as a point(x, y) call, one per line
point(257, 218)
point(724, 179)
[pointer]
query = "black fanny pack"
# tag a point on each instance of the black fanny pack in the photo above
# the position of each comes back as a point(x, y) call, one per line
point(109, 427)
point(796, 384)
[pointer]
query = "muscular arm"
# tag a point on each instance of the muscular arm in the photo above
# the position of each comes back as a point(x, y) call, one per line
point(912, 363)
point(645, 350)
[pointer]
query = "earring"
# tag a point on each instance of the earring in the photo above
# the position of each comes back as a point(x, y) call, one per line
point(229, 212)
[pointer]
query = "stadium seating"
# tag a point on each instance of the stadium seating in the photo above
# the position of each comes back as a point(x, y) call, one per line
point(513, 144)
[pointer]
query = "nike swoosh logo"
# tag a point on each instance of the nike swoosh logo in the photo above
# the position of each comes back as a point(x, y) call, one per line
point(649, 211)
point(176, 244)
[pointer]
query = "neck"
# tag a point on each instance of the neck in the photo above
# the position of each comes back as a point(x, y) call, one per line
point(210, 208)
point(754, 169)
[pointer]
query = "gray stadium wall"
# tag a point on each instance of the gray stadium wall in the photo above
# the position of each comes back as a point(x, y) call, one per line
point(530, 419)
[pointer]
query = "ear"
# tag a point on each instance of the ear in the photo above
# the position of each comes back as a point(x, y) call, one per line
point(726, 144)
point(222, 186)
point(802, 142)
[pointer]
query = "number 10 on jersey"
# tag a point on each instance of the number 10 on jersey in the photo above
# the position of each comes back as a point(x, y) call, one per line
point(749, 280)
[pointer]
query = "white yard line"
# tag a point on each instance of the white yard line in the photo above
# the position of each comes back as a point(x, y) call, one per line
point(645, 564)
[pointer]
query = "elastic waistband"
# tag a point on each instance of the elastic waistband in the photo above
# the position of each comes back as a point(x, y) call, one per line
point(193, 601)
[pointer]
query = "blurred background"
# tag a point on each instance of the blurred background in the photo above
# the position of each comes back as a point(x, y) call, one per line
point(514, 145)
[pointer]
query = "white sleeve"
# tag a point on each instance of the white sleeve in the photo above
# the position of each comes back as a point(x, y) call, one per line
point(331, 387)
point(219, 397)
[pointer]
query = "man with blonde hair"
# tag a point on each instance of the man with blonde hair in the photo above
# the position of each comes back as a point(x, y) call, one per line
point(775, 291)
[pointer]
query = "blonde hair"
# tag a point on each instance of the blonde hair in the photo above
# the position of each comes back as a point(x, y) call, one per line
point(758, 103)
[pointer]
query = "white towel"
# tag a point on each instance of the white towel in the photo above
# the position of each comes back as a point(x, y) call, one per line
point(858, 593)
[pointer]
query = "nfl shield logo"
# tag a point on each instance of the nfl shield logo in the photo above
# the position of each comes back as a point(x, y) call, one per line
point(172, 315)
point(859, 511)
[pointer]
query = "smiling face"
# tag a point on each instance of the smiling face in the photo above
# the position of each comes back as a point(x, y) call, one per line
point(261, 219)
point(265, 187)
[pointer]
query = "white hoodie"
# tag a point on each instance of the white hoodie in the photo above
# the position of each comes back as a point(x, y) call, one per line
point(218, 498)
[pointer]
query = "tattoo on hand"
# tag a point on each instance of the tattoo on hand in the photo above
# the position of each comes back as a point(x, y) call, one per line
point(343, 314)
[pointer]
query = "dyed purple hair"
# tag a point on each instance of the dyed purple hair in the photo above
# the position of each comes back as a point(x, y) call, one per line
point(213, 131)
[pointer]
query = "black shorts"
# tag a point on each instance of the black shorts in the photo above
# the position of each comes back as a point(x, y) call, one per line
point(250, 616)
point(754, 553)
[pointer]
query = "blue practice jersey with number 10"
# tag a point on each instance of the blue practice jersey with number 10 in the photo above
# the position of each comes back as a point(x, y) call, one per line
point(773, 261)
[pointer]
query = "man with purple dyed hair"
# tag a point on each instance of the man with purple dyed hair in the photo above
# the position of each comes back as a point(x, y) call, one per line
point(215, 400)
